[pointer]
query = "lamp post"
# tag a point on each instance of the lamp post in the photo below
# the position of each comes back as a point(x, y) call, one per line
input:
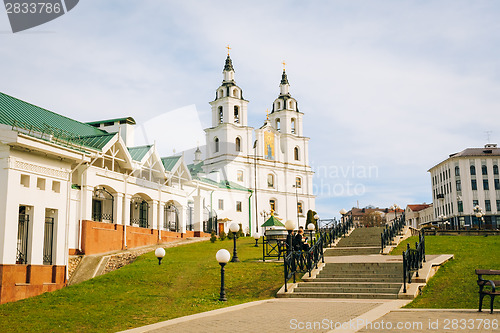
point(311, 228)
point(255, 181)
point(222, 257)
point(316, 218)
point(160, 253)
point(297, 202)
point(256, 236)
point(234, 228)
point(289, 226)
point(343, 212)
point(395, 207)
point(479, 214)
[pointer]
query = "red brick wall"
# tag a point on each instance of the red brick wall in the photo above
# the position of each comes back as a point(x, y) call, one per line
point(100, 237)
point(23, 281)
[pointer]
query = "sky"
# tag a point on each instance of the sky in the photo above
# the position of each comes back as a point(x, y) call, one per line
point(388, 88)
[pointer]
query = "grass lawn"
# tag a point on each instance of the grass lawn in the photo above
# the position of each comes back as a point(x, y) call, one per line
point(454, 285)
point(187, 282)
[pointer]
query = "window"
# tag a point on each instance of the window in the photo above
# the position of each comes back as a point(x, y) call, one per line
point(237, 143)
point(473, 184)
point(293, 126)
point(498, 205)
point(487, 205)
point(495, 169)
point(25, 180)
point(236, 114)
point(56, 187)
point(235, 93)
point(299, 208)
point(497, 184)
point(475, 203)
point(40, 184)
point(298, 182)
point(278, 125)
point(457, 171)
point(278, 105)
point(239, 176)
point(270, 180)
point(459, 186)
point(216, 145)
point(221, 115)
point(272, 205)
point(221, 93)
point(460, 205)
point(291, 105)
point(221, 204)
point(472, 170)
point(484, 170)
point(296, 153)
point(486, 185)
point(238, 206)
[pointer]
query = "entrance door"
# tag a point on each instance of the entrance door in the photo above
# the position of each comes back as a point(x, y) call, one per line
point(221, 228)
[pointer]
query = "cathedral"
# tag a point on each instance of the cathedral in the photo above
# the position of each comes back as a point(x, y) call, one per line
point(69, 188)
point(272, 161)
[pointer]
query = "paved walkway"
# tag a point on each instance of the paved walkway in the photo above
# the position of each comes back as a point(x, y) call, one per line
point(328, 315)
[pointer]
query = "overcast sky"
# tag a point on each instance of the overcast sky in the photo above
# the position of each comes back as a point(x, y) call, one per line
point(388, 88)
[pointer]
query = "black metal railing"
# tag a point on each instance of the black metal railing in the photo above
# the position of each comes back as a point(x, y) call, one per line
point(332, 232)
point(48, 240)
point(22, 239)
point(273, 248)
point(303, 261)
point(390, 231)
point(413, 260)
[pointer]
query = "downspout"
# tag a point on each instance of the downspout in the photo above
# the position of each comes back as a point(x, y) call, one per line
point(211, 210)
point(250, 213)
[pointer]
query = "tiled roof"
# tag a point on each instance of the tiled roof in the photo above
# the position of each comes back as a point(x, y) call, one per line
point(170, 162)
point(195, 169)
point(138, 153)
point(96, 141)
point(418, 207)
point(16, 112)
point(478, 152)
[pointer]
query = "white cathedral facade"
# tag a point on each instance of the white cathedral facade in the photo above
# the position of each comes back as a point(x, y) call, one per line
point(68, 187)
point(271, 161)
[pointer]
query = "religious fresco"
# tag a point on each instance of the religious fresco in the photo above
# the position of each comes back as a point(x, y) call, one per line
point(269, 145)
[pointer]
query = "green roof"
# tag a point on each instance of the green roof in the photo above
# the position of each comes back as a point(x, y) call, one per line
point(272, 222)
point(96, 141)
point(224, 184)
point(138, 153)
point(170, 162)
point(18, 113)
point(195, 169)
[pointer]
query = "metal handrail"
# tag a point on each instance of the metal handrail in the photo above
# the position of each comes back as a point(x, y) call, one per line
point(413, 259)
point(390, 231)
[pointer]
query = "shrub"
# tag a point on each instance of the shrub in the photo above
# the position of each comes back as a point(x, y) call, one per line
point(213, 237)
point(230, 235)
point(222, 235)
point(240, 232)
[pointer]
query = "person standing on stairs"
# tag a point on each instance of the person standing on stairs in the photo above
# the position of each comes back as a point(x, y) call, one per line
point(300, 242)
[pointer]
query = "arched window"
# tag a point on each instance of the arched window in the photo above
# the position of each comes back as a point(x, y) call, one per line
point(457, 171)
point(238, 144)
point(495, 169)
point(216, 145)
point(221, 115)
point(235, 93)
point(472, 170)
point(298, 182)
point(278, 124)
point(278, 105)
point(270, 180)
point(239, 176)
point(293, 126)
point(272, 205)
point(236, 114)
point(291, 105)
point(484, 170)
point(296, 153)
point(221, 93)
point(299, 208)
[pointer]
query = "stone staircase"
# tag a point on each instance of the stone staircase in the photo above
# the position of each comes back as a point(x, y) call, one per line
point(361, 241)
point(377, 280)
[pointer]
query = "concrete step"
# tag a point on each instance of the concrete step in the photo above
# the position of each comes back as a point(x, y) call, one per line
point(340, 295)
point(347, 251)
point(335, 288)
point(351, 284)
point(356, 279)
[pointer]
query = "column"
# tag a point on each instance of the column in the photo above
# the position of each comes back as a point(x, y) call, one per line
point(126, 209)
point(118, 209)
point(182, 219)
point(154, 215)
point(87, 193)
point(198, 213)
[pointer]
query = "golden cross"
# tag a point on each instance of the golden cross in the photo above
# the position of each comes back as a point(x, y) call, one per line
point(228, 48)
point(284, 64)
point(267, 114)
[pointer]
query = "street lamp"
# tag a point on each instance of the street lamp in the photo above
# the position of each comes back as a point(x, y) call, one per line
point(222, 257)
point(316, 217)
point(343, 212)
point(297, 202)
point(160, 253)
point(395, 207)
point(311, 228)
point(479, 214)
point(289, 226)
point(256, 236)
point(234, 228)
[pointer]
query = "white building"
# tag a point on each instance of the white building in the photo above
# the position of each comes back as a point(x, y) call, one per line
point(465, 180)
point(271, 160)
point(418, 214)
point(68, 187)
